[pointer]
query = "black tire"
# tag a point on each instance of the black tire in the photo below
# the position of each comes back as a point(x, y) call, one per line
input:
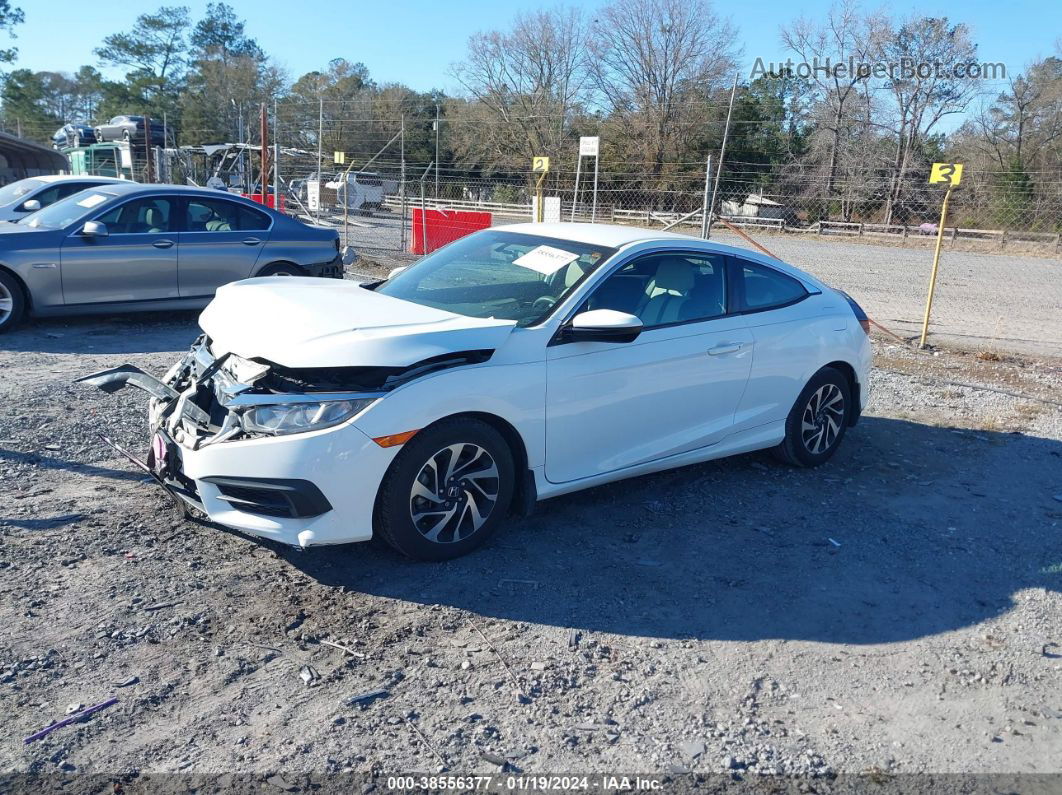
point(396, 503)
point(826, 402)
point(281, 269)
point(10, 290)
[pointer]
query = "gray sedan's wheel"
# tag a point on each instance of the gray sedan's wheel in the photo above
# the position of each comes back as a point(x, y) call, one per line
point(446, 491)
point(817, 421)
point(282, 269)
point(12, 302)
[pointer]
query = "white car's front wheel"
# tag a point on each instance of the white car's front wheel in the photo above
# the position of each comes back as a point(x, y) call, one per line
point(447, 490)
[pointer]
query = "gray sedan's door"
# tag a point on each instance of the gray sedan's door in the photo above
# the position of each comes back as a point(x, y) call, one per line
point(220, 243)
point(135, 261)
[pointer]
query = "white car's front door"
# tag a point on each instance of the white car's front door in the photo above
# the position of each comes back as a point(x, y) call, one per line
point(610, 406)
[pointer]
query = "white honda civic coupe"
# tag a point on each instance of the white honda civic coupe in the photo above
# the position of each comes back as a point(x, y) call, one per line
point(518, 363)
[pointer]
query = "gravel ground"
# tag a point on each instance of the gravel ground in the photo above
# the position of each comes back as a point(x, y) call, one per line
point(999, 301)
point(895, 611)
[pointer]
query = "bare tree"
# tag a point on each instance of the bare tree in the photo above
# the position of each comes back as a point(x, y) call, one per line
point(523, 85)
point(655, 65)
point(926, 57)
point(846, 36)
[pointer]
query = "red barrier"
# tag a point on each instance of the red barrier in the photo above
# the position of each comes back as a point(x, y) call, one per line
point(269, 199)
point(444, 226)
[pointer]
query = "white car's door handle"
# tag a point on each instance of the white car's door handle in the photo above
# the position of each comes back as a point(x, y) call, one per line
point(725, 347)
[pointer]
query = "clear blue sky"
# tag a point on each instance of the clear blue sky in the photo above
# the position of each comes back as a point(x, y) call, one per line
point(415, 41)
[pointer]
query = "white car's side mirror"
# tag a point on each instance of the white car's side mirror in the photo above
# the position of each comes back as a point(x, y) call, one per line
point(602, 325)
point(31, 205)
point(395, 271)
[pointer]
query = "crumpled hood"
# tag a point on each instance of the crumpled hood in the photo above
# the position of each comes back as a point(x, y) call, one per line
point(307, 322)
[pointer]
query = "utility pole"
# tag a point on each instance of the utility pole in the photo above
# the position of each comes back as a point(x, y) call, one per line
point(436, 150)
point(722, 154)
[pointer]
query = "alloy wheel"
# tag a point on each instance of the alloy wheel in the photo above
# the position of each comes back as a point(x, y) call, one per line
point(7, 304)
point(820, 424)
point(454, 493)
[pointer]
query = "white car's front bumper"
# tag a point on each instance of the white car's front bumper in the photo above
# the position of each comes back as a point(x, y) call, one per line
point(237, 482)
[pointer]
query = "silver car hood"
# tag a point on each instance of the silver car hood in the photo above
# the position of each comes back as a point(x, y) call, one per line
point(306, 322)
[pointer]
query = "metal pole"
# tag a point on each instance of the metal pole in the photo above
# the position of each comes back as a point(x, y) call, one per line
point(722, 155)
point(402, 184)
point(437, 128)
point(264, 175)
point(597, 162)
point(578, 169)
point(424, 212)
point(933, 273)
point(165, 136)
point(276, 158)
point(704, 203)
point(149, 171)
point(320, 136)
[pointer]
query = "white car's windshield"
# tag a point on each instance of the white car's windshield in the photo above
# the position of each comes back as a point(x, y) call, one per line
point(498, 274)
point(65, 211)
point(9, 194)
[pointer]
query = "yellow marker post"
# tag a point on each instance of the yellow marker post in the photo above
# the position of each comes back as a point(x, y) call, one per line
point(950, 173)
point(540, 166)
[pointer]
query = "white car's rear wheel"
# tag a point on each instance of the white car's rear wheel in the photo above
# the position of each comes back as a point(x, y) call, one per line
point(447, 490)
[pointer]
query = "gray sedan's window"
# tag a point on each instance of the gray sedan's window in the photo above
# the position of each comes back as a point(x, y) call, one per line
point(138, 217)
point(497, 274)
point(66, 211)
point(218, 215)
point(16, 190)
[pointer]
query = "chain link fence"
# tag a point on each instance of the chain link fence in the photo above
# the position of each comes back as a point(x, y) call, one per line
point(869, 231)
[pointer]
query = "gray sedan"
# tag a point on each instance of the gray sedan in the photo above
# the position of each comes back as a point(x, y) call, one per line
point(128, 247)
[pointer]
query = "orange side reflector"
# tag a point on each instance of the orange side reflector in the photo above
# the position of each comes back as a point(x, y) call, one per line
point(394, 439)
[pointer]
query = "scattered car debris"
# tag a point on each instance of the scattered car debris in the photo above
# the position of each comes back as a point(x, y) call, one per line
point(309, 674)
point(132, 680)
point(344, 649)
point(366, 697)
point(77, 716)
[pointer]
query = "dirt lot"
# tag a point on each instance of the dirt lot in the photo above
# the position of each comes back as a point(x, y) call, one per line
point(897, 610)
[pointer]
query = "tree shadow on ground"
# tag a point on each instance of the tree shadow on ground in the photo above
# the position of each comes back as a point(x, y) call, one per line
point(912, 530)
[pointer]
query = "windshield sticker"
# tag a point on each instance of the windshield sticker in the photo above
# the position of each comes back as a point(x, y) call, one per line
point(545, 259)
point(92, 201)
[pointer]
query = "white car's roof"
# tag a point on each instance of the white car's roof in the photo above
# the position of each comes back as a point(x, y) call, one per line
point(609, 235)
point(79, 177)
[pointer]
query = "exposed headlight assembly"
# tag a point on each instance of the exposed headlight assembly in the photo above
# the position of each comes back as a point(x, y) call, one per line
point(278, 419)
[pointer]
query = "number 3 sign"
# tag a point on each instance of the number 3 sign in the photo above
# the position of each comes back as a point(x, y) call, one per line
point(946, 172)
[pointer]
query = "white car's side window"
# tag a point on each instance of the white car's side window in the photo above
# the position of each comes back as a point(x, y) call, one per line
point(765, 288)
point(666, 288)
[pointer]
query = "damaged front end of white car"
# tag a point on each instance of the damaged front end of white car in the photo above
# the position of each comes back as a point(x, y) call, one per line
point(207, 399)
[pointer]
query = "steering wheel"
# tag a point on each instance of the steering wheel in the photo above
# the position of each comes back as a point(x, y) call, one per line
point(543, 303)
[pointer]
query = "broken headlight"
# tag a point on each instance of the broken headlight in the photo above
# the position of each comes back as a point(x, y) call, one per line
point(284, 418)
